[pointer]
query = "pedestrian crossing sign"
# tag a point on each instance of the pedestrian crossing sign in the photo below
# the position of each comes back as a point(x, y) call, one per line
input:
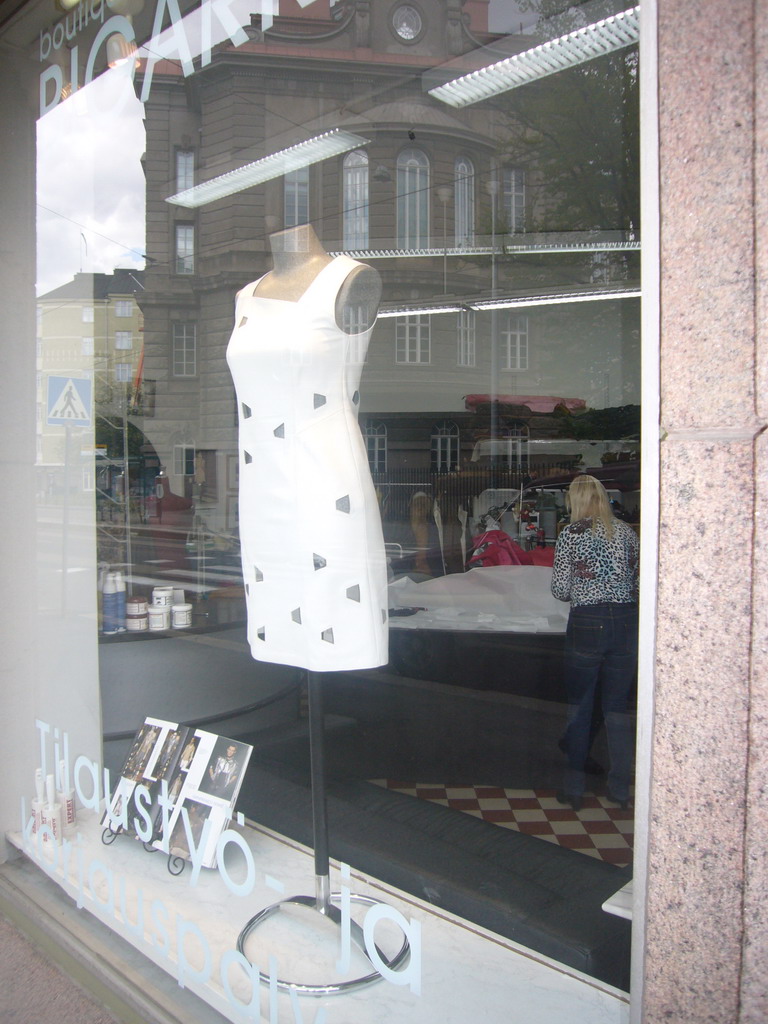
point(69, 401)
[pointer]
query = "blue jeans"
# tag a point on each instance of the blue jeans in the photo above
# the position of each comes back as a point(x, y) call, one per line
point(600, 646)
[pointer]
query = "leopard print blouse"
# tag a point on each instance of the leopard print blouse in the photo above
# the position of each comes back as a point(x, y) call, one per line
point(591, 569)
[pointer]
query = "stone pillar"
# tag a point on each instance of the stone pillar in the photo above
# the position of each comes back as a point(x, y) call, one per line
point(706, 927)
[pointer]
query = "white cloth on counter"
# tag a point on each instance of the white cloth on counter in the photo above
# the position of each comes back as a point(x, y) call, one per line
point(501, 598)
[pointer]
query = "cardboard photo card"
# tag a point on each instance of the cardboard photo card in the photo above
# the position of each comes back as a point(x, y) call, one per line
point(207, 797)
point(201, 774)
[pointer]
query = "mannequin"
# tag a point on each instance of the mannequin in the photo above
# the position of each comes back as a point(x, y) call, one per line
point(312, 547)
point(298, 257)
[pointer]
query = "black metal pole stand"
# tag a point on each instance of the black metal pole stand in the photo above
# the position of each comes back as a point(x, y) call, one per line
point(323, 900)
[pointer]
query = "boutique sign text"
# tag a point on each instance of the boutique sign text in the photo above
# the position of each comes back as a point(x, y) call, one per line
point(174, 37)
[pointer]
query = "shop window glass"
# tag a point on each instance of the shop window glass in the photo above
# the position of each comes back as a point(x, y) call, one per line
point(355, 214)
point(376, 446)
point(513, 198)
point(184, 350)
point(185, 169)
point(514, 340)
point(466, 332)
point(413, 339)
point(296, 201)
point(460, 423)
point(185, 249)
point(412, 199)
point(464, 178)
point(445, 447)
point(183, 460)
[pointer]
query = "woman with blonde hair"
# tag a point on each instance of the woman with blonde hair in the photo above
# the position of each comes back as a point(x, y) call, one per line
point(595, 568)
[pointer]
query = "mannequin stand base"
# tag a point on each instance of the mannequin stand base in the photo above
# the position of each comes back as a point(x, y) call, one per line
point(331, 913)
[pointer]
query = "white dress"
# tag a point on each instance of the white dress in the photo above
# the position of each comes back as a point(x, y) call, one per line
point(312, 548)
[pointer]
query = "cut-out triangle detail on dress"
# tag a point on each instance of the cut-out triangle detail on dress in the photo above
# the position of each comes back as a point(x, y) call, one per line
point(296, 615)
point(319, 561)
point(343, 504)
point(243, 321)
point(319, 400)
point(261, 633)
point(279, 431)
point(327, 635)
point(247, 413)
point(383, 614)
point(248, 457)
point(353, 593)
point(356, 398)
point(258, 575)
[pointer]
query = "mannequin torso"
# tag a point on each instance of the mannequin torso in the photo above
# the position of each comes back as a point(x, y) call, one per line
point(298, 257)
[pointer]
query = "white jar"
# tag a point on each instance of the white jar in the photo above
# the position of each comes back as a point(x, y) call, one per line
point(159, 617)
point(181, 616)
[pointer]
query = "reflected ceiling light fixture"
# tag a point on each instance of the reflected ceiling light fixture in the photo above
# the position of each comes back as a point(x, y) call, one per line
point(448, 307)
point(311, 151)
point(507, 249)
point(483, 305)
point(555, 299)
point(578, 47)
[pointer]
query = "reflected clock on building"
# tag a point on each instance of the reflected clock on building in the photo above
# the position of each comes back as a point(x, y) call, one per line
point(407, 22)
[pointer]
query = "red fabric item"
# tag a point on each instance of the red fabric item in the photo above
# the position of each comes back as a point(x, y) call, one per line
point(495, 547)
point(542, 556)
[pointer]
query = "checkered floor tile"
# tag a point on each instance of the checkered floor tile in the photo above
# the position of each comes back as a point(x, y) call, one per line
point(599, 829)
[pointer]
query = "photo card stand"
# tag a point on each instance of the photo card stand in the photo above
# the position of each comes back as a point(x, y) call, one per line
point(323, 900)
point(174, 864)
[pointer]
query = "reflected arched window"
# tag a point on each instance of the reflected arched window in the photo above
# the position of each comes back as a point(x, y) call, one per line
point(375, 435)
point(445, 447)
point(355, 204)
point(412, 199)
point(464, 192)
point(513, 198)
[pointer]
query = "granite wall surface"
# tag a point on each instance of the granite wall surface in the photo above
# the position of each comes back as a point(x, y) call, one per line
point(706, 928)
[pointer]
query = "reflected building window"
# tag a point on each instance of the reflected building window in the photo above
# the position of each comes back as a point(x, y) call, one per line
point(185, 169)
point(513, 331)
point(123, 307)
point(375, 435)
point(355, 207)
point(87, 314)
point(412, 339)
point(513, 198)
point(123, 339)
point(464, 193)
point(185, 249)
point(183, 460)
point(444, 447)
point(465, 333)
point(123, 372)
point(296, 198)
point(412, 199)
point(184, 349)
